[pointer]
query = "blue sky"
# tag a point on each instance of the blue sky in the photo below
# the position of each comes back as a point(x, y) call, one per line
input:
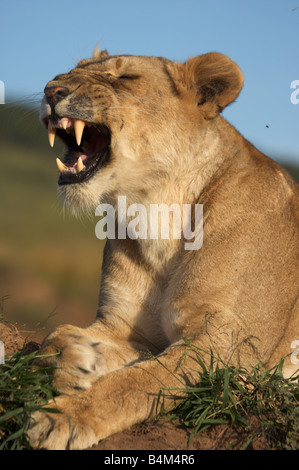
point(39, 39)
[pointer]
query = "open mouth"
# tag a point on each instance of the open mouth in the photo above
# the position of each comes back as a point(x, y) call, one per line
point(87, 148)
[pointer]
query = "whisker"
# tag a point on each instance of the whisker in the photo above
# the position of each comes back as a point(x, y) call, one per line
point(33, 99)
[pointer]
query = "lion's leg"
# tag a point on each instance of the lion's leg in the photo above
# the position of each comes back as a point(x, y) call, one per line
point(125, 329)
point(80, 356)
point(126, 326)
point(114, 402)
point(117, 400)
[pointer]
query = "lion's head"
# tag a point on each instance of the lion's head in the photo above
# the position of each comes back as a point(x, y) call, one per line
point(129, 121)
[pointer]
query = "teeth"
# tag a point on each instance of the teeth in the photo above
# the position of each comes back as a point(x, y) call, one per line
point(64, 123)
point(61, 166)
point(80, 165)
point(65, 169)
point(51, 135)
point(79, 127)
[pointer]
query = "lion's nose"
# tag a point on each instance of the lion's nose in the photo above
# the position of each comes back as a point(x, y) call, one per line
point(55, 94)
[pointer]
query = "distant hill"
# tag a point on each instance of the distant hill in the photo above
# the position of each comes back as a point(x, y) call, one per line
point(20, 125)
point(292, 169)
point(49, 261)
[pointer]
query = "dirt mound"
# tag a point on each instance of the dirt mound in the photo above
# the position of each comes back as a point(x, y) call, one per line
point(11, 338)
point(155, 435)
point(164, 435)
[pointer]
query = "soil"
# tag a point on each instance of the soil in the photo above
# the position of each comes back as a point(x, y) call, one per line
point(154, 435)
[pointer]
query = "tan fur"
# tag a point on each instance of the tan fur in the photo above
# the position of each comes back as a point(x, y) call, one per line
point(237, 294)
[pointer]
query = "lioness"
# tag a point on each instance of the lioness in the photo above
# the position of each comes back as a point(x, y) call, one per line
point(150, 129)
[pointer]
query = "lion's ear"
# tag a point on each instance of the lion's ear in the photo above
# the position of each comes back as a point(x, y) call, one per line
point(214, 79)
point(97, 54)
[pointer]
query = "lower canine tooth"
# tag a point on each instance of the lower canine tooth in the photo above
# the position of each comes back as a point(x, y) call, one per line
point(61, 166)
point(80, 165)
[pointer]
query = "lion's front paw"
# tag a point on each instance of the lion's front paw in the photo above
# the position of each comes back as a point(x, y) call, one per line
point(53, 431)
point(77, 359)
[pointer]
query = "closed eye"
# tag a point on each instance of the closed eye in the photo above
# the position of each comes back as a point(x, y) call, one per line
point(128, 77)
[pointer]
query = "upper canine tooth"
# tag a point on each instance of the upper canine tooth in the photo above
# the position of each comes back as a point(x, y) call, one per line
point(51, 134)
point(61, 166)
point(79, 128)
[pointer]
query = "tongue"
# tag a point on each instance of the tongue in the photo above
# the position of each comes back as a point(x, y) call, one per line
point(84, 158)
point(74, 166)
